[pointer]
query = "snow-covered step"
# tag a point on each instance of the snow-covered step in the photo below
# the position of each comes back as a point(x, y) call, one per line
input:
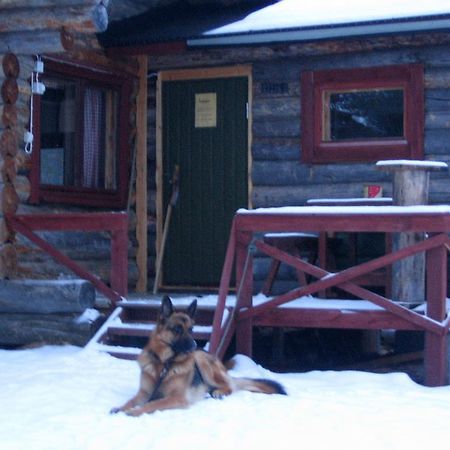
point(144, 329)
point(127, 329)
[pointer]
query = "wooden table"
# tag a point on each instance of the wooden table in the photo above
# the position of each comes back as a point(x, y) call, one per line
point(378, 312)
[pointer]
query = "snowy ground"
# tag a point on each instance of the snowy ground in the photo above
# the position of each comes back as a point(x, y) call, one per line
point(59, 398)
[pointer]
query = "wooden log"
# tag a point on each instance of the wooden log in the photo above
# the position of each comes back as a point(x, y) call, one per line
point(8, 169)
point(10, 65)
point(5, 233)
point(22, 186)
point(276, 149)
point(8, 143)
point(9, 199)
point(25, 329)
point(9, 115)
point(31, 42)
point(14, 4)
point(276, 107)
point(8, 261)
point(410, 187)
point(46, 296)
point(277, 127)
point(268, 196)
point(67, 39)
point(91, 16)
point(10, 90)
point(281, 173)
point(436, 142)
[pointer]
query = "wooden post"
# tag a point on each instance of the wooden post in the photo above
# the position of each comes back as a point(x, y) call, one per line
point(410, 187)
point(436, 351)
point(119, 258)
point(141, 177)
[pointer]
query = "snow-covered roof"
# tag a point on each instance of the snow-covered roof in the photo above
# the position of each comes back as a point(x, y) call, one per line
point(296, 20)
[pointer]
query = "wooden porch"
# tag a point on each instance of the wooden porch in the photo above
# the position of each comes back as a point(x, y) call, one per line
point(372, 311)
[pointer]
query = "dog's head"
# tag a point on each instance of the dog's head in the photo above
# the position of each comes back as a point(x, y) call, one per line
point(175, 327)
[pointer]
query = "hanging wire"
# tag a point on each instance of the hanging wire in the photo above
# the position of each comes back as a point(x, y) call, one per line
point(28, 136)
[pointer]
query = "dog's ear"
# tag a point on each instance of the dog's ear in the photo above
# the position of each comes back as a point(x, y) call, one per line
point(166, 307)
point(192, 308)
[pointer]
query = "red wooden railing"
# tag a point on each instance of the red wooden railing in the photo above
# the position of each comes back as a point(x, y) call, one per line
point(390, 314)
point(114, 223)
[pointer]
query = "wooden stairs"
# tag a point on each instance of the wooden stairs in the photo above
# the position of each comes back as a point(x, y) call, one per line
point(127, 329)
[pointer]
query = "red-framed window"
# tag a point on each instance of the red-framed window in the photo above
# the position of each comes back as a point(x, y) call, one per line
point(363, 114)
point(81, 148)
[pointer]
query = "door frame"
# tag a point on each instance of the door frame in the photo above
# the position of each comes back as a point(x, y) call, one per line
point(240, 70)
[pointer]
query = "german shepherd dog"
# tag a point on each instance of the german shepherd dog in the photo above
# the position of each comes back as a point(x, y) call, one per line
point(175, 375)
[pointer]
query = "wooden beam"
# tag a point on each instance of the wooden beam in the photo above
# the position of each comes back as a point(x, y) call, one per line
point(86, 16)
point(31, 42)
point(16, 4)
point(154, 49)
point(141, 176)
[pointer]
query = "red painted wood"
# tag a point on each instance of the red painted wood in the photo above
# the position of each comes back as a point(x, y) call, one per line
point(341, 280)
point(331, 318)
point(436, 351)
point(393, 315)
point(244, 286)
point(223, 292)
point(116, 223)
point(119, 261)
point(315, 83)
point(337, 280)
point(341, 218)
point(123, 83)
point(96, 221)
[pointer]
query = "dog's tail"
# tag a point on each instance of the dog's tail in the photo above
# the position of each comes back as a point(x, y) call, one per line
point(261, 385)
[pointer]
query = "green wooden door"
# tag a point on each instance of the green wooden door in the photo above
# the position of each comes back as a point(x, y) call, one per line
point(205, 132)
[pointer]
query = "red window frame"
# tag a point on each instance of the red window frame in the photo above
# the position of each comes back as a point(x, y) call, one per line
point(314, 84)
point(73, 195)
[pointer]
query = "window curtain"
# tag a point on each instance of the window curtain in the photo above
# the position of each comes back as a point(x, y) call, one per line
point(93, 137)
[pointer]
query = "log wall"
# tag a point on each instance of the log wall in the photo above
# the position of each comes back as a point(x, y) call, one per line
point(278, 176)
point(62, 28)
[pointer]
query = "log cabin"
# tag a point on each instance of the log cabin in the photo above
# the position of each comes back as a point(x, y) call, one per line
point(254, 112)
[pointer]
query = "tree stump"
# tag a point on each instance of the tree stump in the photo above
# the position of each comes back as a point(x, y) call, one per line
point(410, 187)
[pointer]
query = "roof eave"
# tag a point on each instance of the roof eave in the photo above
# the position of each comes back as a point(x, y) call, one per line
point(322, 32)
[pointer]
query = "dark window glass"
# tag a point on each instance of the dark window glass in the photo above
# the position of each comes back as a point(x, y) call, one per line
point(368, 114)
point(78, 135)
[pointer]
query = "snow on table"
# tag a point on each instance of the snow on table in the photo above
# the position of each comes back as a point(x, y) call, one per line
point(311, 210)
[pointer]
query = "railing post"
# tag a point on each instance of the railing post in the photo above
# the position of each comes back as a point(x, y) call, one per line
point(119, 257)
point(244, 287)
point(436, 351)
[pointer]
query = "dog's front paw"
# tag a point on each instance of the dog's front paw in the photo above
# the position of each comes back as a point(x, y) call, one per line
point(134, 412)
point(217, 394)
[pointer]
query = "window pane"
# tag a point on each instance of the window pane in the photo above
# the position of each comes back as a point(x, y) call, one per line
point(78, 135)
point(368, 114)
point(58, 127)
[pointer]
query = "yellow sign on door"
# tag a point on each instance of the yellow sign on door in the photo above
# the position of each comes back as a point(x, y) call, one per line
point(206, 110)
